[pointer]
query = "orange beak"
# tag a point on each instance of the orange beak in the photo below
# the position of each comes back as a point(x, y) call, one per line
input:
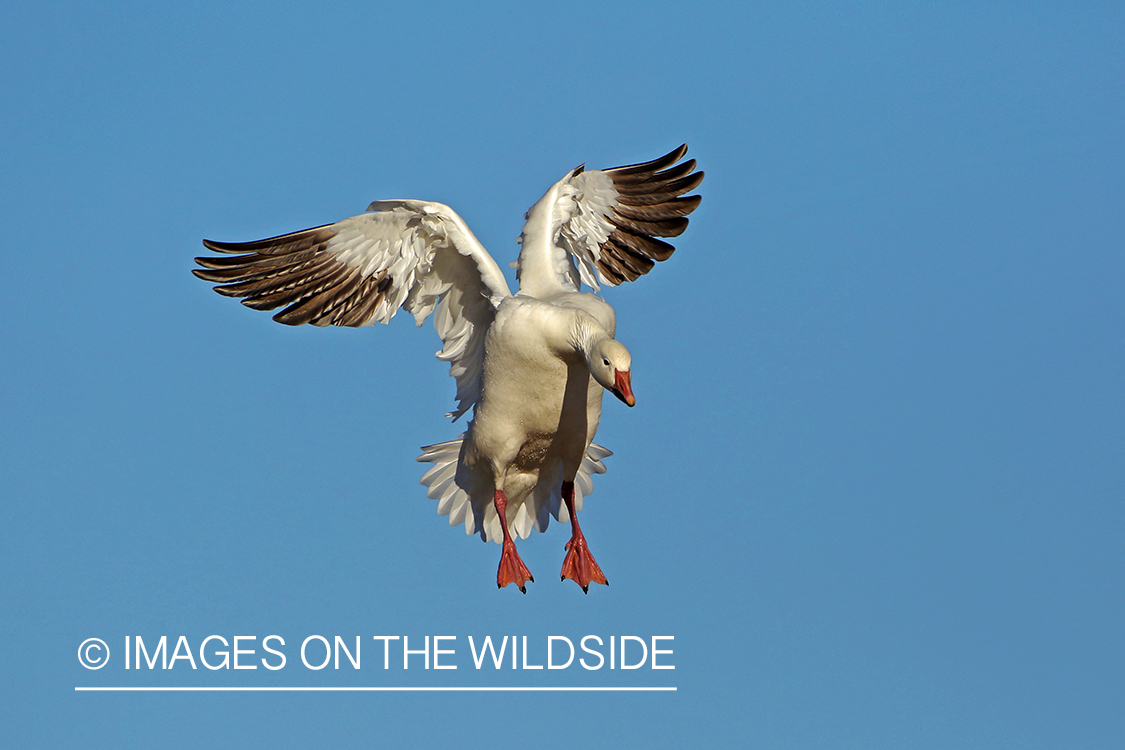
point(622, 388)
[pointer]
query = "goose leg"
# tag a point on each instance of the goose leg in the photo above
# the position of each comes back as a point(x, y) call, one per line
point(579, 564)
point(512, 569)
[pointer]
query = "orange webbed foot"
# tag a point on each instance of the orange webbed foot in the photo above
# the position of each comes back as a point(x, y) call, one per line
point(512, 569)
point(579, 565)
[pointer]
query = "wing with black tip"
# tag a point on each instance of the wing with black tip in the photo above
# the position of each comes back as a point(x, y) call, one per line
point(603, 226)
point(416, 255)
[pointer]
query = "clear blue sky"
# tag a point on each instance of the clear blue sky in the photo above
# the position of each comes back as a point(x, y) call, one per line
point(873, 484)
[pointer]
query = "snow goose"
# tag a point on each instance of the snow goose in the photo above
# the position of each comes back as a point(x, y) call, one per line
point(532, 365)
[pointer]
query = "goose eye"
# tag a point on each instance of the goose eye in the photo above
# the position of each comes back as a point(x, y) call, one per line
point(605, 361)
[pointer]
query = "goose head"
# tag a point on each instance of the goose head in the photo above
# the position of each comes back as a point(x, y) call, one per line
point(609, 363)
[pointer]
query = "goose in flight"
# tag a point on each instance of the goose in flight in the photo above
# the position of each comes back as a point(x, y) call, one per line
point(532, 365)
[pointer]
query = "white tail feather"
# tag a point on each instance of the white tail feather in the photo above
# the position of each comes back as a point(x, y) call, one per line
point(452, 486)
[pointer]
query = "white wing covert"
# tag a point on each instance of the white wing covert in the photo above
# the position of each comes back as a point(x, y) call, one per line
point(417, 255)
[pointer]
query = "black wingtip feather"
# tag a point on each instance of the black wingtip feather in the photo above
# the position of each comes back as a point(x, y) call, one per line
point(649, 167)
point(650, 204)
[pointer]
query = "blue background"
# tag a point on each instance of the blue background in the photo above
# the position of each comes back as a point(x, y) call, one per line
point(873, 484)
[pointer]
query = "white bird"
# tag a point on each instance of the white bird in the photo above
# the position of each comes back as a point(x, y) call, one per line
point(532, 365)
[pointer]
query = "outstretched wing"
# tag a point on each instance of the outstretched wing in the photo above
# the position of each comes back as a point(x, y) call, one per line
point(416, 255)
point(601, 226)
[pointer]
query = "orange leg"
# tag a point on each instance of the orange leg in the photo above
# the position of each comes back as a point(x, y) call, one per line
point(512, 569)
point(579, 564)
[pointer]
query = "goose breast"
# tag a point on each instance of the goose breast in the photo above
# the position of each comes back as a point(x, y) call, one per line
point(538, 402)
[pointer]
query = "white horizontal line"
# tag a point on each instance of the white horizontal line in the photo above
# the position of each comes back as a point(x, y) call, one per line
point(370, 689)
